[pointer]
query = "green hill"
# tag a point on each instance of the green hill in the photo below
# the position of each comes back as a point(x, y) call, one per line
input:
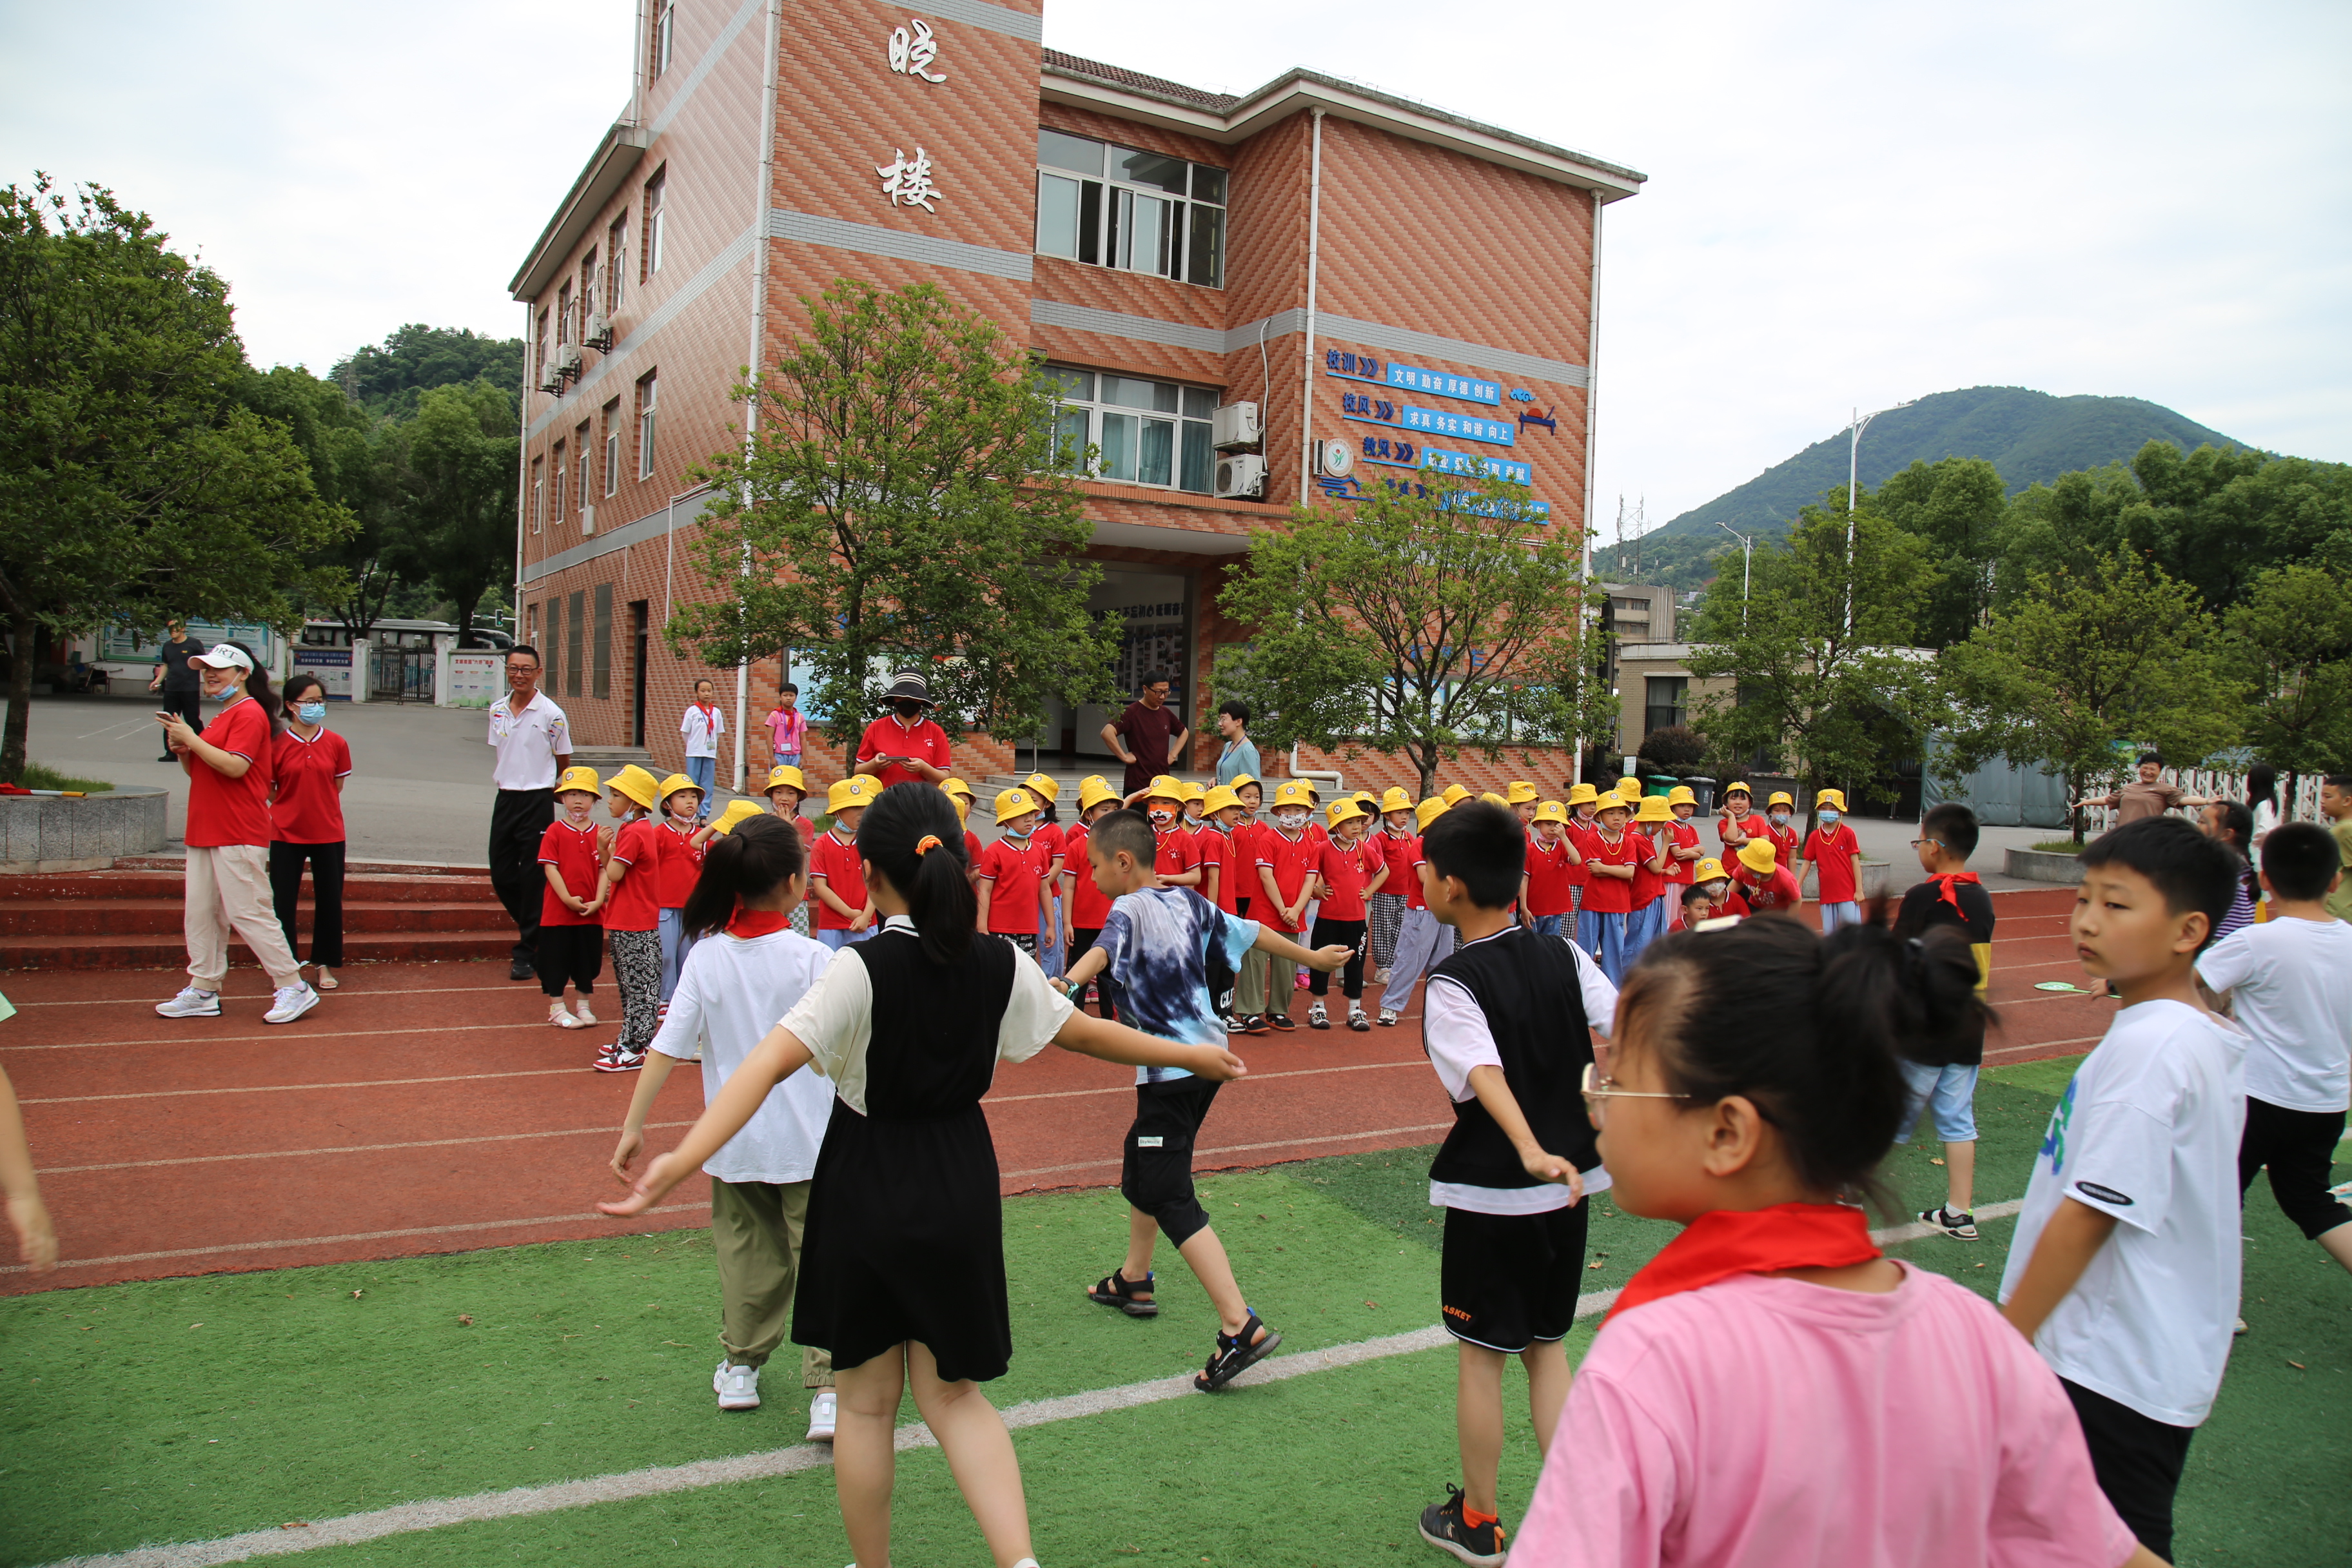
point(2029, 437)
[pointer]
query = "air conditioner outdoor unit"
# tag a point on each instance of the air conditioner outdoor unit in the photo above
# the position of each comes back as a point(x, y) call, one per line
point(600, 333)
point(1235, 425)
point(567, 361)
point(1239, 474)
point(1334, 459)
point(550, 376)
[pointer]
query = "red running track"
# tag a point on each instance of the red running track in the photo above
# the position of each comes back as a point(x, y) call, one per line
point(428, 1108)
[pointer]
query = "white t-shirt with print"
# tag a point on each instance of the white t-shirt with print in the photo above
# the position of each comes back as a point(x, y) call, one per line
point(729, 994)
point(1458, 1039)
point(2148, 1132)
point(2290, 984)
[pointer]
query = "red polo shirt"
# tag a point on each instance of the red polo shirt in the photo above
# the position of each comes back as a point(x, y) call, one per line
point(889, 736)
point(838, 865)
point(678, 863)
point(1614, 895)
point(1178, 852)
point(1291, 861)
point(1346, 868)
point(1832, 854)
point(1017, 871)
point(635, 903)
point(1089, 905)
point(309, 809)
point(223, 810)
point(572, 852)
point(1548, 877)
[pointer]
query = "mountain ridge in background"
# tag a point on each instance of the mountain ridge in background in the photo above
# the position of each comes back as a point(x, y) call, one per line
point(2029, 436)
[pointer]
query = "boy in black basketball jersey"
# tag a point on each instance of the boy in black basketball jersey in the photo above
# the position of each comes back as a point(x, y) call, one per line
point(1505, 1022)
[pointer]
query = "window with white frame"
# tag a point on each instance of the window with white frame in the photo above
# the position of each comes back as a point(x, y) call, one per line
point(538, 494)
point(556, 468)
point(665, 29)
point(582, 447)
point(650, 253)
point(616, 257)
point(1145, 432)
point(647, 387)
point(611, 447)
point(1116, 206)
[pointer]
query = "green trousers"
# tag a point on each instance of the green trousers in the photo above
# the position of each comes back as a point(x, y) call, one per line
point(755, 1230)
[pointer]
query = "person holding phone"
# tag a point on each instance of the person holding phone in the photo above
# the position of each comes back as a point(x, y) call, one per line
point(904, 745)
point(175, 677)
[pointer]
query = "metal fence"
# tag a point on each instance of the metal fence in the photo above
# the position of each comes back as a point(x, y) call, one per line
point(2210, 784)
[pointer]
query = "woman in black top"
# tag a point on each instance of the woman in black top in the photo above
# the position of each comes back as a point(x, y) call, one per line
point(903, 1266)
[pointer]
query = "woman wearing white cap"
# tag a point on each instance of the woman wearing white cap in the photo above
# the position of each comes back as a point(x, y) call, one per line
point(229, 772)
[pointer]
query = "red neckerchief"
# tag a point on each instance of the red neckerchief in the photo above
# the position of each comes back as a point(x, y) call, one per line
point(710, 713)
point(748, 923)
point(1944, 882)
point(1722, 1243)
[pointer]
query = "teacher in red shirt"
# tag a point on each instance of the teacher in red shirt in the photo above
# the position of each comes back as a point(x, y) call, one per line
point(1150, 736)
point(310, 763)
point(904, 744)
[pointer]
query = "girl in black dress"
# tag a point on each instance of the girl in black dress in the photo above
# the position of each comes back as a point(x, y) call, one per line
point(903, 1262)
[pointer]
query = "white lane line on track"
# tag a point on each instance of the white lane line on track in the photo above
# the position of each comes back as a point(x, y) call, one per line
point(539, 1022)
point(348, 1149)
point(348, 985)
point(290, 1088)
point(520, 1503)
point(1240, 1148)
point(468, 1227)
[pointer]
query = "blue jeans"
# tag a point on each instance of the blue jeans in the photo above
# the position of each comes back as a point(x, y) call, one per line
point(1643, 927)
point(1549, 925)
point(1848, 913)
point(675, 945)
point(1950, 1092)
point(837, 940)
point(702, 770)
point(1607, 941)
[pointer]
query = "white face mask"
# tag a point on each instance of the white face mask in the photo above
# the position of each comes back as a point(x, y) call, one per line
point(311, 713)
point(1291, 820)
point(1830, 817)
point(1780, 819)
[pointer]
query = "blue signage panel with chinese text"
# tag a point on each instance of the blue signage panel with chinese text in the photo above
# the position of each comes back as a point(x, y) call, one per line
point(1410, 377)
point(1471, 465)
point(1429, 421)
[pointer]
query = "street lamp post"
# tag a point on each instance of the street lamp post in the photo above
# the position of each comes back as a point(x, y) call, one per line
point(1747, 562)
point(1854, 484)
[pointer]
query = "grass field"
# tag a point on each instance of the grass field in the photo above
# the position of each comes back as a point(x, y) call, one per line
point(192, 1409)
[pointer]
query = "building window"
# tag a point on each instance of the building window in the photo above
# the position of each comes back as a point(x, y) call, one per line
point(645, 389)
point(1668, 702)
point(665, 20)
point(557, 467)
point(650, 252)
point(581, 448)
point(1148, 432)
point(616, 262)
point(538, 494)
point(611, 446)
point(574, 628)
point(563, 333)
point(587, 292)
point(1145, 212)
point(538, 348)
point(602, 685)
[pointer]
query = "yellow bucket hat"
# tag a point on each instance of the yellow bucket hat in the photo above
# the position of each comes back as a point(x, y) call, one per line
point(1491, 799)
point(1654, 809)
point(674, 783)
point(1038, 784)
point(1093, 790)
point(736, 811)
point(1013, 803)
point(1194, 792)
point(1782, 797)
point(1221, 798)
point(1427, 812)
point(579, 779)
point(1167, 786)
point(780, 776)
point(1708, 871)
point(1345, 810)
point(1831, 797)
point(637, 784)
point(1521, 792)
point(1738, 789)
point(1612, 801)
point(1395, 800)
point(1240, 779)
point(1551, 811)
point(1628, 787)
point(1759, 856)
point(1294, 791)
point(1582, 795)
point(855, 792)
point(957, 788)
point(1681, 795)
point(1454, 794)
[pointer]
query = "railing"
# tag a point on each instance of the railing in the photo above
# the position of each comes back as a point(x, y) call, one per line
point(2209, 784)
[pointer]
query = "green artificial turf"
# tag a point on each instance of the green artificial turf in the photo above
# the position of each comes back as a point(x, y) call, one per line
point(182, 1410)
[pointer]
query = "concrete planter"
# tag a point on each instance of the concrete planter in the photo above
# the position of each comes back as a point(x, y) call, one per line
point(61, 832)
point(1876, 876)
point(2039, 865)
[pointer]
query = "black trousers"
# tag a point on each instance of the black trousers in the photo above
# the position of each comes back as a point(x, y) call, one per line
point(2138, 1460)
point(1156, 1170)
point(1331, 933)
point(575, 953)
point(1106, 988)
point(2299, 1147)
point(518, 822)
point(188, 705)
point(326, 897)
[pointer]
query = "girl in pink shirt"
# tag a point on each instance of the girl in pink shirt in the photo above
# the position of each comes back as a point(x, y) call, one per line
point(1768, 1391)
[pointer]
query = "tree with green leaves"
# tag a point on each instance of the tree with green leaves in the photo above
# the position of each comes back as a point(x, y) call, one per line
point(1839, 694)
point(1955, 507)
point(897, 503)
point(2087, 667)
point(1429, 617)
point(455, 467)
point(135, 483)
point(351, 466)
point(391, 381)
point(2293, 636)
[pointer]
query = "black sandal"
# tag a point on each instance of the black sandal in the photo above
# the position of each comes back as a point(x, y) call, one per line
point(1116, 1289)
point(1236, 1353)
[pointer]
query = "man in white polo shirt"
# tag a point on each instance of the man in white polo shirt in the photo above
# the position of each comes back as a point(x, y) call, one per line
point(534, 745)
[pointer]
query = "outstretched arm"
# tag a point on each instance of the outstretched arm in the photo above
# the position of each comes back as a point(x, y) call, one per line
point(1105, 1041)
point(1326, 959)
point(775, 1058)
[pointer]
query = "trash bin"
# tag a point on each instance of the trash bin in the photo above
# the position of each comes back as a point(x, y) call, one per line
point(1659, 783)
point(1703, 790)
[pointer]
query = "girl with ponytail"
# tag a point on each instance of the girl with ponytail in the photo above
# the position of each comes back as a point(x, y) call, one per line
point(750, 969)
point(905, 1250)
point(1769, 1388)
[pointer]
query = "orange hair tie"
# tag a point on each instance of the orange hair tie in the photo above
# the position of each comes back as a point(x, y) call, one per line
point(926, 844)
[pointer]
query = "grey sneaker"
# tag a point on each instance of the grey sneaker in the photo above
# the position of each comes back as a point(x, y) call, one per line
point(291, 1002)
point(191, 1003)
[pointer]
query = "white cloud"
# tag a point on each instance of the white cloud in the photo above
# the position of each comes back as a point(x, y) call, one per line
point(1850, 204)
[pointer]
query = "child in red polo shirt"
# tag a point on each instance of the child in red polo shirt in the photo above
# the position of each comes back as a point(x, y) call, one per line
point(1613, 857)
point(1763, 882)
point(1739, 821)
point(1684, 851)
point(1089, 905)
point(630, 899)
point(1552, 864)
point(570, 938)
point(837, 876)
point(1014, 879)
point(1288, 854)
point(1835, 855)
point(678, 841)
point(1346, 869)
point(1780, 825)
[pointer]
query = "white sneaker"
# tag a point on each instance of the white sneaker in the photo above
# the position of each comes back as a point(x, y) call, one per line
point(822, 1405)
point(291, 1002)
point(580, 1011)
point(191, 1003)
point(738, 1387)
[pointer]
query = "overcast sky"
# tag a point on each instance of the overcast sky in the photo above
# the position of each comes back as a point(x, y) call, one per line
point(1849, 204)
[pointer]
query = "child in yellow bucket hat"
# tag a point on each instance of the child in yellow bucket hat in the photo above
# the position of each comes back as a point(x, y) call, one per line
point(1763, 882)
point(1653, 906)
point(1053, 928)
point(677, 861)
point(630, 897)
point(1683, 851)
point(1547, 891)
point(1349, 866)
point(1522, 797)
point(1455, 794)
point(1288, 854)
point(1385, 911)
point(1833, 854)
point(1614, 853)
point(1779, 821)
point(1083, 905)
point(571, 947)
point(1014, 877)
point(845, 913)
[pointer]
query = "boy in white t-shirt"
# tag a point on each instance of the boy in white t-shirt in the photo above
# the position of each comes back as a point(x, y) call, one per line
point(2123, 1272)
point(2289, 980)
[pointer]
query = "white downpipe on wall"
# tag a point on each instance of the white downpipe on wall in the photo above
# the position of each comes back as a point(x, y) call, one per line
point(756, 359)
point(1592, 426)
point(1306, 367)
